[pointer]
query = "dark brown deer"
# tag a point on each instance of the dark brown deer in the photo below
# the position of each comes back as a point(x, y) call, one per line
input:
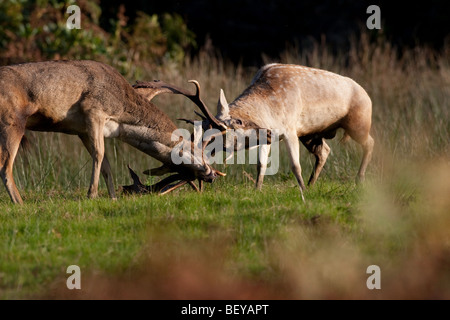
point(301, 104)
point(91, 100)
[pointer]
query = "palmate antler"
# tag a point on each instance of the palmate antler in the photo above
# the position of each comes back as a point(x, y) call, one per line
point(149, 90)
point(162, 187)
point(159, 86)
point(166, 185)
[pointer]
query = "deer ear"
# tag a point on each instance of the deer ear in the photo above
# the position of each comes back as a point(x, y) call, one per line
point(222, 107)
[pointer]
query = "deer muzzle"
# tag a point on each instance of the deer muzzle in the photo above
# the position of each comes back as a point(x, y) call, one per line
point(211, 175)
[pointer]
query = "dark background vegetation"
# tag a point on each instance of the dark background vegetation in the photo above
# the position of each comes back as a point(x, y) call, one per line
point(245, 29)
point(154, 32)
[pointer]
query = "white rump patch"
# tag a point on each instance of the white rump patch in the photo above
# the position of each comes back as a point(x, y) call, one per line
point(111, 129)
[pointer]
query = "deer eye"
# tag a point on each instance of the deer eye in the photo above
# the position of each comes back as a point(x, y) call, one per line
point(238, 122)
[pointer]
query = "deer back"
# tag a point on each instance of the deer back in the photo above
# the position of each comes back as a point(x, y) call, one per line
point(58, 95)
point(300, 98)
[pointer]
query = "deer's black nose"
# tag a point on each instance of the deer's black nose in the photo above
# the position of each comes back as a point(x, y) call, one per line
point(210, 177)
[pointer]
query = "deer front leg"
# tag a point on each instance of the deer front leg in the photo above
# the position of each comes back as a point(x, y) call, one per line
point(293, 146)
point(105, 167)
point(263, 157)
point(9, 145)
point(96, 141)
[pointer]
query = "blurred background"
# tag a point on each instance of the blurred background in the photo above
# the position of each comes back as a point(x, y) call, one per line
point(241, 31)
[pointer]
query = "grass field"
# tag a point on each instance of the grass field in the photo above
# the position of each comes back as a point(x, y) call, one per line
point(233, 242)
point(42, 238)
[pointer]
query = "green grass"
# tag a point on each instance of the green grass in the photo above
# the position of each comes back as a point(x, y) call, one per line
point(42, 238)
point(231, 237)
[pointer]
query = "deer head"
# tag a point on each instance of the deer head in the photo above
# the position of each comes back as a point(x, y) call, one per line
point(196, 167)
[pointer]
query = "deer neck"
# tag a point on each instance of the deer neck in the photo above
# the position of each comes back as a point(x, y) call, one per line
point(148, 140)
point(249, 107)
point(146, 128)
point(152, 132)
point(164, 147)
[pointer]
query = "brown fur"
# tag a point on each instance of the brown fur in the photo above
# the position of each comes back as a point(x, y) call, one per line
point(84, 98)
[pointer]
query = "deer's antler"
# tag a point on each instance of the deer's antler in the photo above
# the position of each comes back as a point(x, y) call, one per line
point(159, 86)
point(162, 187)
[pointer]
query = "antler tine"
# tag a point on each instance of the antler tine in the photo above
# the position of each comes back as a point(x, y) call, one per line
point(200, 115)
point(158, 171)
point(213, 136)
point(134, 176)
point(186, 120)
point(198, 101)
point(162, 187)
point(197, 87)
point(165, 87)
point(166, 181)
point(152, 89)
point(193, 121)
point(162, 86)
point(222, 174)
point(137, 186)
point(170, 188)
point(192, 184)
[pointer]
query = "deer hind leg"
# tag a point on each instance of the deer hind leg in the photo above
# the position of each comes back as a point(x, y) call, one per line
point(293, 146)
point(9, 145)
point(263, 157)
point(105, 166)
point(367, 146)
point(363, 137)
point(320, 149)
